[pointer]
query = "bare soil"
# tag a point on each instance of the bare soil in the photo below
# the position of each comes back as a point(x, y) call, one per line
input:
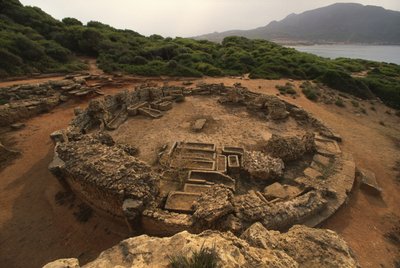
point(225, 125)
point(34, 229)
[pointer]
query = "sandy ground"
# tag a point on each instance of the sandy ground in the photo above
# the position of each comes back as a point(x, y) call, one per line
point(35, 230)
point(231, 126)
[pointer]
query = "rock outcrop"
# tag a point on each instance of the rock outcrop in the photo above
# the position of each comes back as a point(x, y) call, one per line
point(301, 247)
point(95, 166)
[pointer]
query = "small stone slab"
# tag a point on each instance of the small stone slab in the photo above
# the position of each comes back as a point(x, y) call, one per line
point(17, 126)
point(221, 163)
point(327, 147)
point(275, 190)
point(233, 164)
point(323, 160)
point(195, 188)
point(181, 201)
point(58, 136)
point(165, 106)
point(133, 109)
point(312, 173)
point(199, 124)
point(368, 182)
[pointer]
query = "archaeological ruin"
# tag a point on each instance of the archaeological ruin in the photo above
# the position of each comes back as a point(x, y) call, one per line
point(168, 159)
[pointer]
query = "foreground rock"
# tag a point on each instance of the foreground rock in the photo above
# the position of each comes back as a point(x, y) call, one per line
point(257, 247)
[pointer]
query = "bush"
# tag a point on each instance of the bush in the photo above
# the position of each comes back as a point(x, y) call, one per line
point(355, 103)
point(204, 258)
point(288, 88)
point(310, 91)
point(344, 82)
point(339, 102)
point(71, 22)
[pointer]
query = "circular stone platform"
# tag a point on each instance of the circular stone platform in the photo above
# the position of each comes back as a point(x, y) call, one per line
point(210, 157)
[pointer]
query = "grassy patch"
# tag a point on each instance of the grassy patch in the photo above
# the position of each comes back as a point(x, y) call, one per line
point(204, 258)
point(288, 88)
point(339, 102)
point(310, 91)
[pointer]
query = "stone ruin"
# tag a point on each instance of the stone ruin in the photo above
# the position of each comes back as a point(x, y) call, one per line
point(24, 101)
point(196, 186)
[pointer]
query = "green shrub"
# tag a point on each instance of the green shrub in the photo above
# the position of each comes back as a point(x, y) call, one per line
point(339, 102)
point(355, 103)
point(288, 88)
point(71, 21)
point(204, 258)
point(310, 91)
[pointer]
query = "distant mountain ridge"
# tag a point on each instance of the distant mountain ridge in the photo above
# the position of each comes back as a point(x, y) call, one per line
point(337, 23)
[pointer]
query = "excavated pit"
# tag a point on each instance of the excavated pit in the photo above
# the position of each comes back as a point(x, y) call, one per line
point(169, 159)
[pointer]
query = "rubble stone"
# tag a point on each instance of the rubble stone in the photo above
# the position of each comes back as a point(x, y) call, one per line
point(215, 203)
point(199, 124)
point(262, 166)
point(290, 148)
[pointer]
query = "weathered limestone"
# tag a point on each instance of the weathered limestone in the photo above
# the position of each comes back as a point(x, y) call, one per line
point(275, 190)
point(301, 247)
point(280, 215)
point(309, 247)
point(290, 148)
point(181, 201)
point(261, 166)
point(199, 124)
point(368, 182)
point(213, 204)
point(25, 101)
point(98, 170)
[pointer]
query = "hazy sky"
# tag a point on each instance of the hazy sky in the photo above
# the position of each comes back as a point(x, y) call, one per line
point(186, 17)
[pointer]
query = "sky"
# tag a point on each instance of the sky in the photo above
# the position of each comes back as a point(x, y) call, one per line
point(186, 18)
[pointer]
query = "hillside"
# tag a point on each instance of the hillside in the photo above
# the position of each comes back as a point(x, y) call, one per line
point(337, 23)
point(32, 41)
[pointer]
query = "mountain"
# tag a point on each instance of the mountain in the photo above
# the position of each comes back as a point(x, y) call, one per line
point(337, 23)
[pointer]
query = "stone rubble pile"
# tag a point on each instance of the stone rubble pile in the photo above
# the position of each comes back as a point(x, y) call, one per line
point(24, 101)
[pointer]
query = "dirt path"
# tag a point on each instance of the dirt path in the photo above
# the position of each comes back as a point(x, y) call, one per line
point(34, 230)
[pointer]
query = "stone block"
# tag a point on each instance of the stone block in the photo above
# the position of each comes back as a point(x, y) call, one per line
point(368, 182)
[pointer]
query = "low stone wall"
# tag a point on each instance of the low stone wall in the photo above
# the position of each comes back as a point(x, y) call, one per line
point(110, 179)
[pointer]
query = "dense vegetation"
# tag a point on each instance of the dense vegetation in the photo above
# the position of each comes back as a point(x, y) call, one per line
point(32, 41)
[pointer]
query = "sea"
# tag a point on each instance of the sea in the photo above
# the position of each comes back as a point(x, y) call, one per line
point(390, 54)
